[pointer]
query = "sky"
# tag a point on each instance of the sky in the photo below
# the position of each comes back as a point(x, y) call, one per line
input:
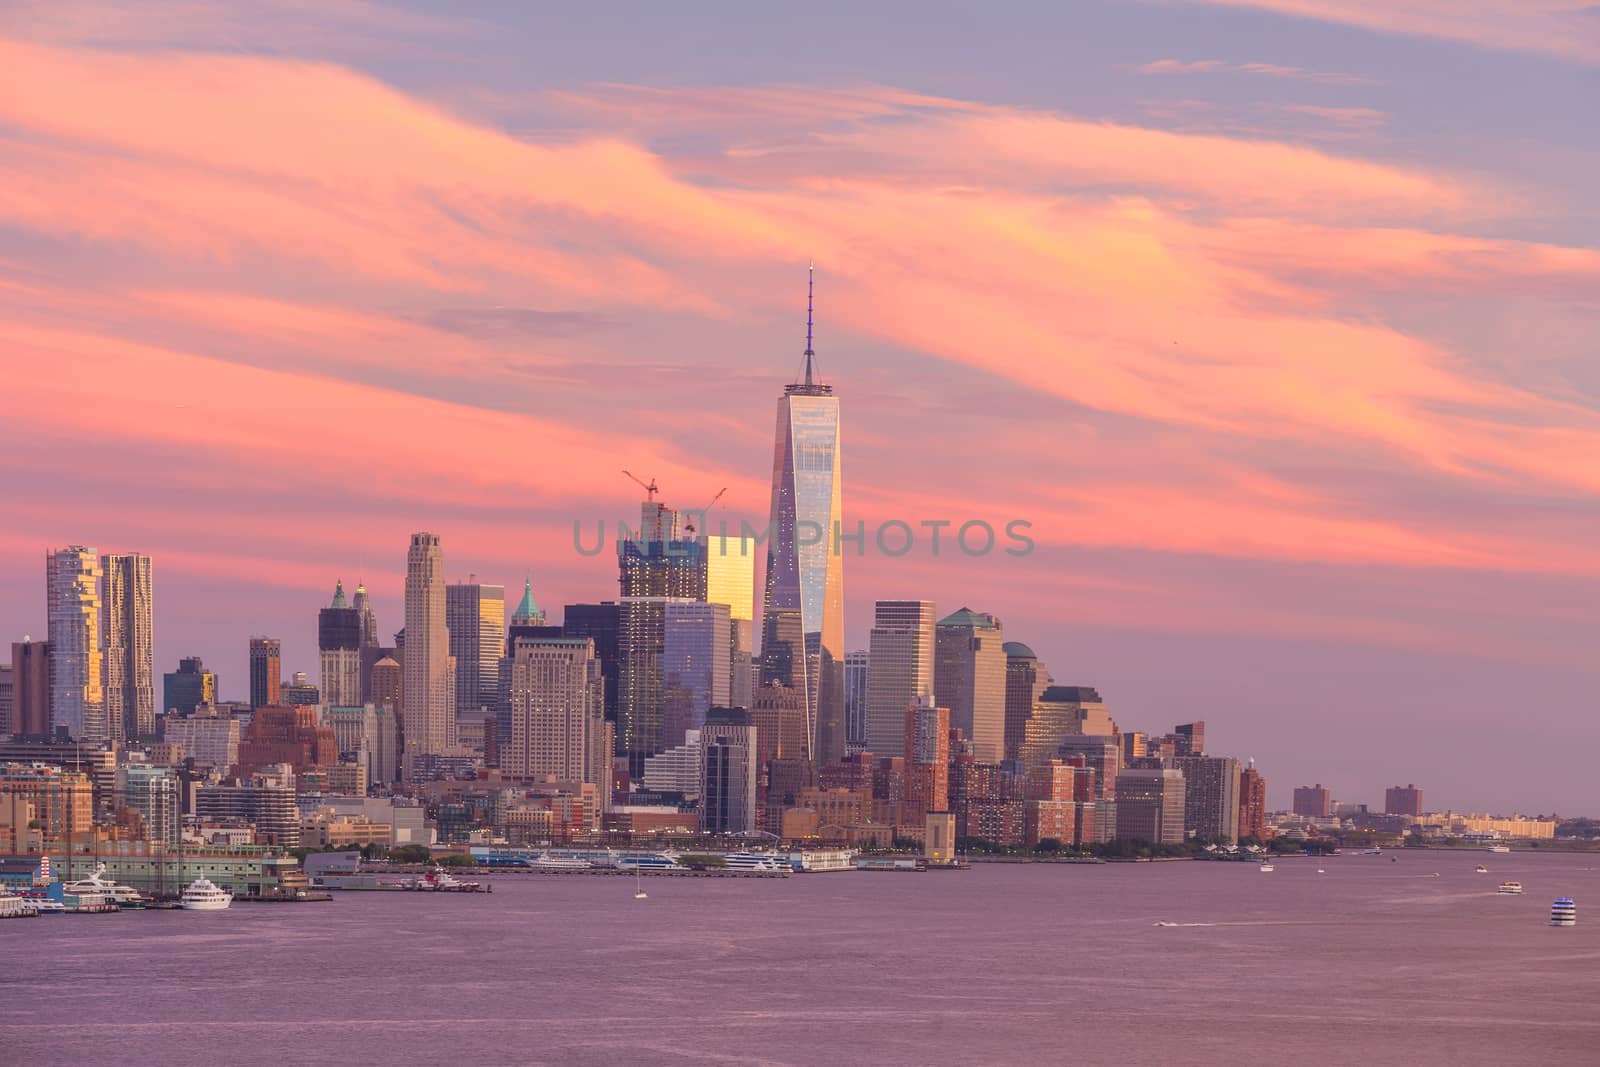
point(1276, 320)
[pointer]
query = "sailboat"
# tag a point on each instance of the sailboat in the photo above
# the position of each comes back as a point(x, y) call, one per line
point(638, 884)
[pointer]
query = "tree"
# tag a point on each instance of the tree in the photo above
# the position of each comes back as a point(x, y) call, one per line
point(409, 854)
point(1049, 844)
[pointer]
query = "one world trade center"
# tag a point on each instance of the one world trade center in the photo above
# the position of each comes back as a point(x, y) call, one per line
point(802, 619)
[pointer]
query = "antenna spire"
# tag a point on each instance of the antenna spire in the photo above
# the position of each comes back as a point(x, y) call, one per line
point(811, 285)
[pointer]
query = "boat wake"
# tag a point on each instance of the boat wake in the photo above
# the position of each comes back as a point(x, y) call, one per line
point(1184, 924)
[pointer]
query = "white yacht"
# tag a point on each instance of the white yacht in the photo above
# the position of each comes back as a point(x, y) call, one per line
point(756, 861)
point(121, 895)
point(203, 894)
point(1266, 868)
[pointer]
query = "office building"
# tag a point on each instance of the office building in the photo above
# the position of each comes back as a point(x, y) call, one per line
point(1026, 681)
point(652, 573)
point(900, 672)
point(802, 618)
point(1100, 754)
point(1312, 801)
point(63, 801)
point(855, 699)
point(368, 736)
point(428, 698)
point(339, 651)
point(475, 614)
point(1150, 806)
point(1062, 711)
point(188, 687)
point(728, 786)
point(1252, 803)
point(558, 724)
point(265, 800)
point(677, 770)
point(969, 675)
point(1402, 800)
point(600, 623)
point(368, 618)
point(298, 692)
point(7, 698)
point(77, 665)
point(294, 736)
point(30, 688)
point(207, 736)
point(126, 622)
point(151, 792)
point(927, 755)
point(696, 665)
point(730, 580)
point(266, 672)
point(1211, 797)
point(1189, 739)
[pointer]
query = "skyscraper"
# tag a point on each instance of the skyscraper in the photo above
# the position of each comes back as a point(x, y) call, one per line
point(1150, 805)
point(368, 617)
point(77, 678)
point(266, 672)
point(900, 674)
point(653, 573)
point(969, 676)
point(1026, 681)
point(1252, 803)
point(728, 772)
point(476, 617)
point(188, 687)
point(730, 580)
point(126, 628)
point(153, 793)
point(557, 712)
point(1211, 796)
point(855, 699)
point(427, 699)
point(30, 688)
point(802, 618)
point(695, 664)
point(339, 649)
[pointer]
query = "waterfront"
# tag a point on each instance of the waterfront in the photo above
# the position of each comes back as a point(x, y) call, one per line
point(1376, 961)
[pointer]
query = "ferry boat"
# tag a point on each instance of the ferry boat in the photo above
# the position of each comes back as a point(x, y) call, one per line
point(124, 897)
point(551, 862)
point(15, 907)
point(203, 894)
point(756, 861)
point(650, 861)
point(439, 880)
point(1564, 912)
point(1510, 887)
point(1499, 848)
point(822, 861)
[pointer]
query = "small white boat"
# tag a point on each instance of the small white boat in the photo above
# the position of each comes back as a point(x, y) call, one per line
point(1266, 868)
point(1480, 869)
point(1510, 887)
point(638, 885)
point(203, 894)
point(1499, 848)
point(1321, 871)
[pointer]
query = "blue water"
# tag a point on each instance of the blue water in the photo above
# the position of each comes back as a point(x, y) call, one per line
point(1374, 962)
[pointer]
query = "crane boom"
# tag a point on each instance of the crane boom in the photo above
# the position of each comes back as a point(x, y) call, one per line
point(650, 490)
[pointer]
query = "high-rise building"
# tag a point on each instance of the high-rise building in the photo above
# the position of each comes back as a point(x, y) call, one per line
point(1402, 800)
point(1211, 796)
point(1190, 738)
point(7, 698)
point(927, 754)
point(695, 664)
point(77, 662)
point(557, 712)
point(1062, 711)
point(969, 675)
point(152, 792)
point(1026, 681)
point(476, 617)
point(428, 699)
point(266, 672)
point(388, 683)
point(730, 580)
point(298, 692)
point(288, 735)
point(339, 650)
point(188, 687)
point(369, 618)
point(653, 573)
point(30, 688)
point(126, 628)
point(802, 617)
point(63, 801)
point(600, 623)
point(1150, 806)
point(1252, 803)
point(901, 650)
point(1101, 755)
point(855, 699)
point(207, 737)
point(728, 783)
point(1312, 801)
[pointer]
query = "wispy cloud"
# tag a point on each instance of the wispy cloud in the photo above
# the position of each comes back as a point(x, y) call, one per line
point(1270, 70)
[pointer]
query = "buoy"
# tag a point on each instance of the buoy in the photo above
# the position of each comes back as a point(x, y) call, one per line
point(1564, 912)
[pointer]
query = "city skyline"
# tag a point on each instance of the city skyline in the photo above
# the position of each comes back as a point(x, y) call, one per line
point(1286, 366)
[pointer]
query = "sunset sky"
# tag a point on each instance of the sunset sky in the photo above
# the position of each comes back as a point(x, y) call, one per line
point(1277, 319)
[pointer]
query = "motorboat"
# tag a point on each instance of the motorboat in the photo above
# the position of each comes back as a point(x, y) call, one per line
point(1267, 868)
point(1510, 887)
point(203, 894)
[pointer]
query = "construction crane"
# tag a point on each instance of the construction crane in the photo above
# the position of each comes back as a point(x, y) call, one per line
point(650, 490)
point(689, 526)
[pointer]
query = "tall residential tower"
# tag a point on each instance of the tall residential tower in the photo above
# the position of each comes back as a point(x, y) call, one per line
point(427, 697)
point(130, 664)
point(77, 678)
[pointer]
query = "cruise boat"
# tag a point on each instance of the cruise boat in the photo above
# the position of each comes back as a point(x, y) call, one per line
point(756, 861)
point(551, 862)
point(1510, 887)
point(125, 897)
point(203, 894)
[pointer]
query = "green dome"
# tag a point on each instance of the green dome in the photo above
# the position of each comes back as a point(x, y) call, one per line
point(1018, 650)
